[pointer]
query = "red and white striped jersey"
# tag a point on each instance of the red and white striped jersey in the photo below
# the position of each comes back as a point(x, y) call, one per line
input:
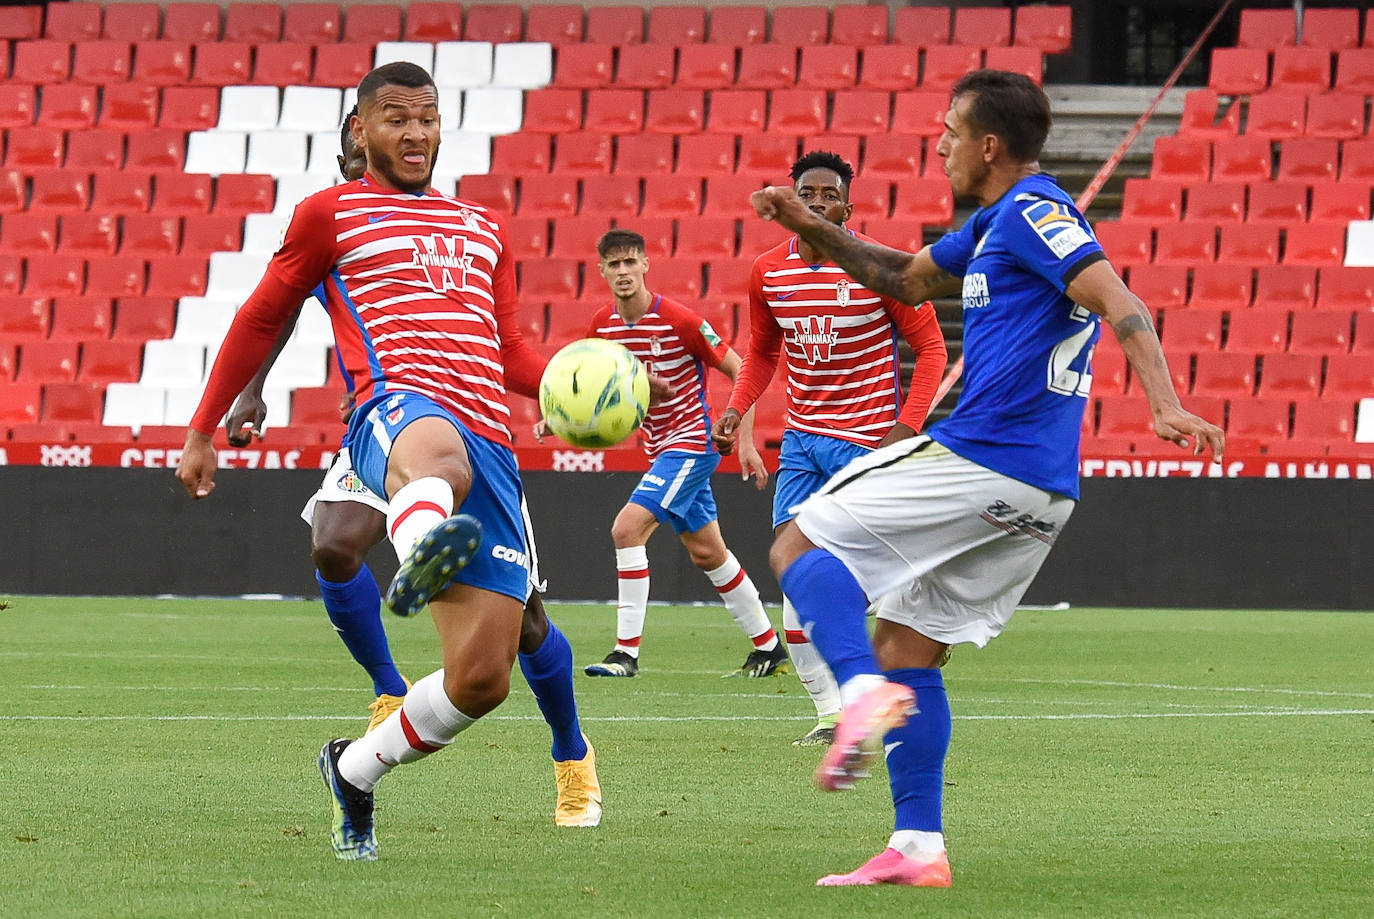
point(674, 343)
point(420, 293)
point(839, 341)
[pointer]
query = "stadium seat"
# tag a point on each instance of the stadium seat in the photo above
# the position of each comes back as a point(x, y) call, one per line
point(927, 200)
point(680, 279)
point(705, 154)
point(1331, 29)
point(1162, 287)
point(859, 26)
point(1349, 376)
point(1265, 419)
point(797, 111)
point(132, 22)
point(150, 234)
point(1181, 158)
point(255, 23)
point(1188, 244)
point(1319, 244)
point(496, 191)
point(1239, 71)
point(1267, 29)
point(60, 191)
point(1191, 330)
point(1242, 159)
point(1108, 369)
point(644, 154)
point(672, 196)
point(1216, 202)
point(1339, 202)
point(41, 62)
point(120, 193)
point(645, 66)
point(342, 64)
point(828, 67)
point(495, 22)
point(889, 67)
point(1126, 244)
point(20, 402)
point(1228, 374)
point(1322, 420)
point(283, 64)
point(615, 111)
point(756, 236)
point(892, 157)
point(1276, 114)
point(558, 24)
point(921, 26)
point(767, 156)
point(116, 276)
point(156, 149)
point(675, 111)
point(1324, 332)
point(17, 104)
point(11, 273)
point(12, 192)
point(312, 23)
point(615, 25)
point(176, 276)
point(528, 237)
point(676, 25)
point(74, 22)
point(462, 64)
point(192, 22)
point(771, 66)
point(1337, 115)
point(140, 319)
point(371, 24)
point(1285, 287)
point(706, 238)
point(550, 280)
point(1152, 201)
point(738, 25)
point(207, 233)
point(105, 362)
point(1124, 416)
point(245, 194)
point(553, 111)
point(277, 152)
point(189, 108)
point(48, 361)
point(128, 107)
point(1355, 72)
point(1048, 29)
point(872, 200)
point(526, 153)
point(944, 64)
point(584, 66)
point(728, 196)
point(657, 233)
point(1223, 286)
point(101, 62)
point(23, 318)
point(30, 233)
point(1249, 243)
point(1303, 70)
point(1290, 375)
point(35, 148)
point(1344, 289)
point(985, 27)
point(66, 403)
point(216, 152)
point(433, 22)
point(1256, 331)
point(737, 111)
point(548, 196)
point(1307, 159)
point(1201, 108)
point(161, 63)
point(87, 234)
point(610, 195)
point(919, 113)
point(800, 25)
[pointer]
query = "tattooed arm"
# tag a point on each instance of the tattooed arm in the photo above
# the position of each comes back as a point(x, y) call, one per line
point(899, 275)
point(1098, 288)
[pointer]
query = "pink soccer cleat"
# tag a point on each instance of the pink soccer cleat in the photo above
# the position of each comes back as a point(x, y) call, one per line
point(859, 735)
point(892, 867)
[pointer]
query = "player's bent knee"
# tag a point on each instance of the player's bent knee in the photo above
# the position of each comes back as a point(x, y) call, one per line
point(337, 560)
point(790, 545)
point(476, 690)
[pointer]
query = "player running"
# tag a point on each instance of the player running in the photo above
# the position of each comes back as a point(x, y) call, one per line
point(677, 346)
point(421, 293)
point(838, 341)
point(949, 529)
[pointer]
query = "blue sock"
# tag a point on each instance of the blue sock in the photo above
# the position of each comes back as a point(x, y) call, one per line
point(916, 765)
point(355, 608)
point(833, 610)
point(549, 671)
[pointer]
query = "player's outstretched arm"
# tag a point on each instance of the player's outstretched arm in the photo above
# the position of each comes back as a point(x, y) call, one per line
point(896, 274)
point(245, 418)
point(1098, 288)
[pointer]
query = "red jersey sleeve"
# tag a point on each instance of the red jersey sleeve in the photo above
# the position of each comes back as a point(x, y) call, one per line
point(764, 351)
point(523, 366)
point(921, 329)
point(691, 329)
point(302, 262)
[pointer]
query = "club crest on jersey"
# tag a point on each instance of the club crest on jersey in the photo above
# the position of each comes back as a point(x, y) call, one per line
point(469, 218)
point(655, 346)
point(815, 335)
point(439, 257)
point(842, 291)
point(350, 482)
point(1056, 225)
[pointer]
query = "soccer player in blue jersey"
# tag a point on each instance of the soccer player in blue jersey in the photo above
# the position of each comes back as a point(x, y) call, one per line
point(947, 530)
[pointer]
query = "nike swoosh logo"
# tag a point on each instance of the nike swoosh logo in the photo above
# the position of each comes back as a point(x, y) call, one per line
point(384, 762)
point(785, 296)
point(374, 218)
point(888, 748)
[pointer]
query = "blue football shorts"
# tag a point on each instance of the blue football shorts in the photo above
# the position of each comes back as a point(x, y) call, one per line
point(502, 563)
point(805, 463)
point(677, 490)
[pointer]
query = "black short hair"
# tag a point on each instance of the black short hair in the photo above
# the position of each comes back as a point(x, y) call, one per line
point(823, 159)
point(397, 73)
point(619, 239)
point(1011, 106)
point(345, 131)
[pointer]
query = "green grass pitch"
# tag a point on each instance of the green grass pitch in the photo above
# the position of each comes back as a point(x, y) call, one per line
point(159, 760)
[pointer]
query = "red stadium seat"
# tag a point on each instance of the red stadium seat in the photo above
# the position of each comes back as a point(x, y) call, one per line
point(205, 233)
point(150, 234)
point(610, 195)
point(48, 362)
point(615, 111)
point(859, 25)
point(370, 24)
point(986, 27)
point(23, 318)
point(550, 280)
point(1046, 28)
point(162, 63)
point(645, 154)
point(191, 22)
point(738, 25)
point(1308, 159)
point(1224, 373)
point(176, 276)
point(132, 22)
point(586, 153)
point(1242, 159)
point(548, 196)
point(871, 200)
point(558, 24)
point(157, 149)
point(100, 62)
point(128, 107)
point(927, 200)
point(1267, 29)
point(706, 238)
point(1219, 203)
point(737, 111)
point(1191, 330)
point(283, 64)
point(1126, 244)
point(89, 234)
point(189, 108)
point(1162, 287)
point(677, 25)
point(919, 112)
point(494, 22)
point(1182, 158)
point(889, 67)
point(315, 405)
point(1108, 369)
point(116, 276)
point(255, 23)
point(1277, 204)
point(575, 238)
point(35, 148)
point(680, 279)
point(1291, 376)
point(728, 196)
point(944, 64)
point(1320, 244)
point(771, 66)
point(1357, 160)
point(1339, 115)
point(95, 150)
point(800, 25)
point(705, 155)
point(222, 63)
point(20, 402)
point(1285, 287)
point(11, 273)
point(797, 111)
point(73, 22)
point(921, 26)
point(29, 233)
point(615, 25)
point(1304, 70)
point(41, 62)
point(553, 111)
point(1277, 114)
point(1188, 244)
point(312, 23)
point(1345, 289)
point(432, 22)
point(1026, 61)
point(1221, 286)
point(1339, 202)
point(672, 196)
point(140, 319)
point(65, 403)
point(1331, 29)
point(1239, 71)
point(1201, 108)
point(522, 154)
point(1349, 375)
point(647, 66)
point(1355, 71)
point(1325, 332)
point(1124, 416)
point(1263, 419)
point(496, 191)
point(892, 156)
point(61, 191)
point(55, 275)
point(120, 193)
point(244, 194)
point(106, 362)
point(182, 195)
point(708, 66)
point(1152, 201)
point(583, 66)
point(828, 67)
point(1321, 420)
point(767, 156)
point(755, 237)
point(675, 111)
point(342, 64)
point(657, 233)
point(69, 106)
point(1257, 331)
point(17, 104)
point(1248, 244)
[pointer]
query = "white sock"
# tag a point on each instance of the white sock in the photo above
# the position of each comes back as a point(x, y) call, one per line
point(415, 509)
point(425, 723)
point(856, 686)
point(918, 844)
point(741, 598)
point(811, 667)
point(632, 566)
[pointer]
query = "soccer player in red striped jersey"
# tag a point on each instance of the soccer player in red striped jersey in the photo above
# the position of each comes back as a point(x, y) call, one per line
point(838, 341)
point(421, 292)
point(679, 347)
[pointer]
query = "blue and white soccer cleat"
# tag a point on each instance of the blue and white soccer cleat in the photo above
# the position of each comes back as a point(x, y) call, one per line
point(433, 561)
point(352, 831)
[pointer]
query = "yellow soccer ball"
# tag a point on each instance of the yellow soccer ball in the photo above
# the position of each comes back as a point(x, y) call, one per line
point(594, 393)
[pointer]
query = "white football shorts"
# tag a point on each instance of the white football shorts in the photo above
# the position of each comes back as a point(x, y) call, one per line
point(948, 547)
point(341, 483)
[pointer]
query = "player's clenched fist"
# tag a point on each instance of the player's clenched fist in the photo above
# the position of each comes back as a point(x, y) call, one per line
point(196, 468)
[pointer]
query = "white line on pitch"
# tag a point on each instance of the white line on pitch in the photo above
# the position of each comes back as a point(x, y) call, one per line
point(1175, 686)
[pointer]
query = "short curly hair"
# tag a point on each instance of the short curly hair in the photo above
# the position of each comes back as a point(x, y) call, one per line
point(823, 159)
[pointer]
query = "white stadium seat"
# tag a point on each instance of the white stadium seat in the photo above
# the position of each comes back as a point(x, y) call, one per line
point(493, 110)
point(1359, 243)
point(216, 152)
point(173, 363)
point(233, 275)
point(324, 152)
point(203, 321)
point(463, 153)
point(249, 108)
point(310, 108)
point(276, 152)
point(133, 405)
point(462, 64)
point(416, 52)
point(300, 364)
point(262, 233)
point(313, 328)
point(295, 187)
point(524, 65)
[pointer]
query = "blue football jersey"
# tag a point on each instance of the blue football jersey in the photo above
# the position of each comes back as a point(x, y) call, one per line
point(1027, 346)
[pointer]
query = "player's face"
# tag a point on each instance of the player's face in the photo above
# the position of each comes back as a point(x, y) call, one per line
point(352, 163)
point(963, 149)
point(398, 133)
point(823, 191)
point(624, 270)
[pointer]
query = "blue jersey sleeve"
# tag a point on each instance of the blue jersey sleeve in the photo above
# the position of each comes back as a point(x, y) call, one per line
point(1050, 238)
point(953, 250)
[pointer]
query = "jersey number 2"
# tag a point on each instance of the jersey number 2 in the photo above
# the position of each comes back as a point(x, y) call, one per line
point(1062, 379)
